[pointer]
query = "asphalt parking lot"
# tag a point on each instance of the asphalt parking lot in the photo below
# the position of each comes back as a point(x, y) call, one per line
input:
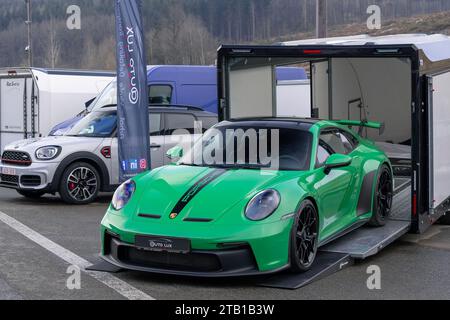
point(39, 239)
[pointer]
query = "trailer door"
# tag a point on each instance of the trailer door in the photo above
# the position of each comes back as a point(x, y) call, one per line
point(321, 89)
point(439, 136)
point(15, 109)
point(252, 92)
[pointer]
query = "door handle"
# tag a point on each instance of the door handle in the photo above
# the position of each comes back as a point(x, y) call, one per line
point(155, 146)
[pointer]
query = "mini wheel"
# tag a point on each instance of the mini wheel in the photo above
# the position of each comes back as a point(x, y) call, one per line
point(80, 184)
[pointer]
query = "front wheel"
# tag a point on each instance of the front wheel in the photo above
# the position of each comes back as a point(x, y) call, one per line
point(304, 238)
point(384, 193)
point(80, 184)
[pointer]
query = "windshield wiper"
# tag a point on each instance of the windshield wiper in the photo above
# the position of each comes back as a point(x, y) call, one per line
point(224, 166)
point(190, 164)
point(238, 166)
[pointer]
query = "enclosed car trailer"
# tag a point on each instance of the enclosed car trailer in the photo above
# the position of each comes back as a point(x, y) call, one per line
point(33, 100)
point(402, 81)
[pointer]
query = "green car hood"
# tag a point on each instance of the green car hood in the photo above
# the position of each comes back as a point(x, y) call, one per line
point(165, 188)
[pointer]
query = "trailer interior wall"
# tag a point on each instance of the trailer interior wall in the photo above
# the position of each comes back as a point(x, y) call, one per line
point(382, 86)
point(340, 86)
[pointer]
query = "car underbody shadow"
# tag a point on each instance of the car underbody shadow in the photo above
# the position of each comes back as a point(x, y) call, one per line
point(55, 200)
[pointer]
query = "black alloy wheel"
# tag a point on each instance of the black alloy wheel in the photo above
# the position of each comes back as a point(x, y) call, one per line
point(384, 194)
point(304, 239)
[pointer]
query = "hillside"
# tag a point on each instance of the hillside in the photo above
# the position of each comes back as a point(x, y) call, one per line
point(430, 23)
point(189, 31)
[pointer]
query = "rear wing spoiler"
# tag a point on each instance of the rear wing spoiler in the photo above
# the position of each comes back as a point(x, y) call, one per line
point(363, 124)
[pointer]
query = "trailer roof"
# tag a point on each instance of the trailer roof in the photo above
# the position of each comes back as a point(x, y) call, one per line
point(436, 47)
point(74, 72)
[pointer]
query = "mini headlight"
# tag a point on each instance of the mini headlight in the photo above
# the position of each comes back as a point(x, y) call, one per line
point(263, 205)
point(123, 195)
point(48, 153)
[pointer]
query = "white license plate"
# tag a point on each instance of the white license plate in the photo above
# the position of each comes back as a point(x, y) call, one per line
point(8, 171)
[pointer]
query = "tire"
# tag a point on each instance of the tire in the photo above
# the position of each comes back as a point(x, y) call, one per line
point(383, 195)
point(445, 220)
point(80, 184)
point(304, 239)
point(31, 194)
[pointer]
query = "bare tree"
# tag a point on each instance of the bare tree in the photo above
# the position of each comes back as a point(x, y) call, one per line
point(54, 48)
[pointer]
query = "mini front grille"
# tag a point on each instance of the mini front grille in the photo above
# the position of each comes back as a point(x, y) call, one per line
point(6, 179)
point(16, 158)
point(30, 181)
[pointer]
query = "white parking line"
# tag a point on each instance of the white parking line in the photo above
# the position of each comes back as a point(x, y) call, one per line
point(120, 286)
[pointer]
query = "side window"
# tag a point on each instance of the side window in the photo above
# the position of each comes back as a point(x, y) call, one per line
point(334, 140)
point(177, 121)
point(155, 124)
point(350, 137)
point(323, 153)
point(348, 144)
point(160, 94)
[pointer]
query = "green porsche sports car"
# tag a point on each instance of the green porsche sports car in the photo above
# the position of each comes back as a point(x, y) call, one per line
point(222, 209)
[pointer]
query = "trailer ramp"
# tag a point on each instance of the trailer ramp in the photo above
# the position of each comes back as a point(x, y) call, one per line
point(357, 245)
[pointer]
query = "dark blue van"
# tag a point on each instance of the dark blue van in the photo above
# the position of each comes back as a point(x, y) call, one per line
point(176, 85)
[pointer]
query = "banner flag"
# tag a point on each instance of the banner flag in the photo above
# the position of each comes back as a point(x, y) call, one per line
point(132, 91)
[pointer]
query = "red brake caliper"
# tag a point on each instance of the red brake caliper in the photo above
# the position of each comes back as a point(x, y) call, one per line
point(72, 186)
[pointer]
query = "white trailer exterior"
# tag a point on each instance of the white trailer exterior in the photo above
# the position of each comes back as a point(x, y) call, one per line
point(402, 81)
point(33, 100)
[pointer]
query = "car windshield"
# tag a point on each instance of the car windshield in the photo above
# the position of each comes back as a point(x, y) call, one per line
point(106, 98)
point(243, 146)
point(98, 124)
point(158, 94)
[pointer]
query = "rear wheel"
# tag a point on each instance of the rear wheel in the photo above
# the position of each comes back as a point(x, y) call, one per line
point(304, 238)
point(384, 193)
point(31, 194)
point(80, 184)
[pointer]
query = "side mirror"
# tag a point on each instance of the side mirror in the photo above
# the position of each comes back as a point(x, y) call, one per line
point(337, 161)
point(175, 154)
point(87, 104)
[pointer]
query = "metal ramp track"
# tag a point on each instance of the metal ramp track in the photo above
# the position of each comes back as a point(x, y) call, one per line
point(365, 242)
point(326, 264)
point(359, 244)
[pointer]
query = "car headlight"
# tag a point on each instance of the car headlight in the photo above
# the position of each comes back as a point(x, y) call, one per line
point(263, 205)
point(123, 195)
point(48, 153)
